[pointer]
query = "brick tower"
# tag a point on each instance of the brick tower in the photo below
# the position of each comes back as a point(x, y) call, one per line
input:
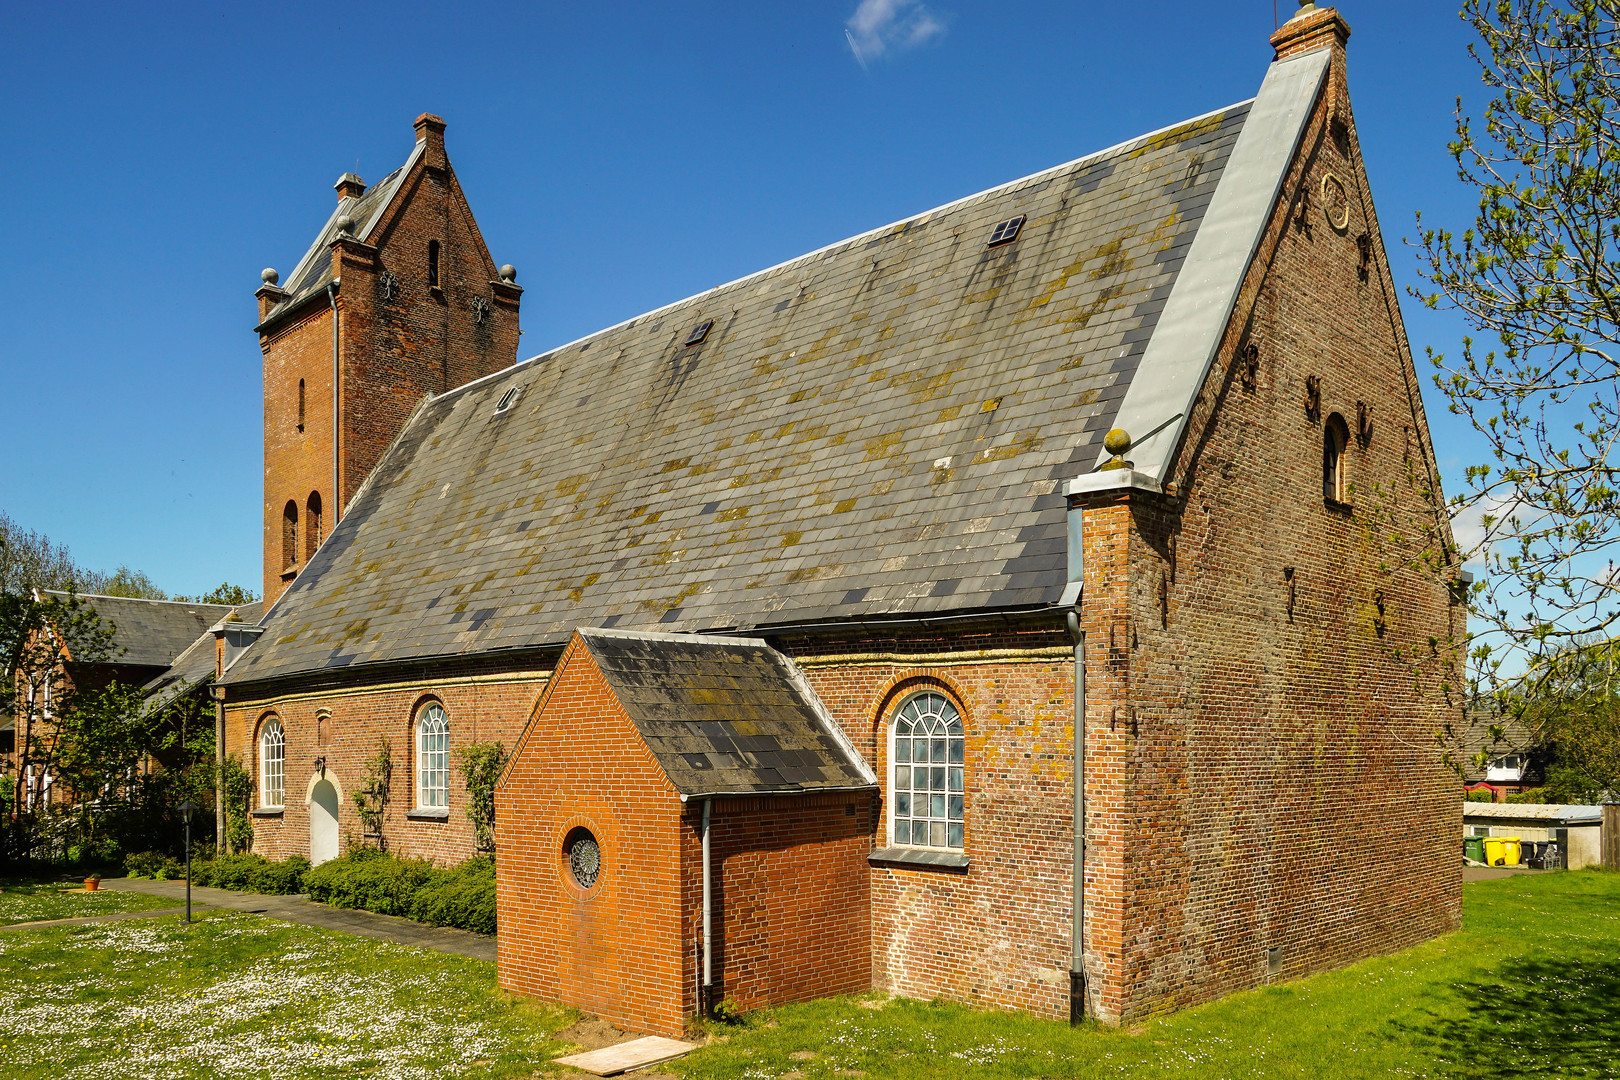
point(397, 298)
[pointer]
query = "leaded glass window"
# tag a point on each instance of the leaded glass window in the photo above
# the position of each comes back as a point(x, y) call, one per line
point(433, 758)
point(272, 764)
point(926, 792)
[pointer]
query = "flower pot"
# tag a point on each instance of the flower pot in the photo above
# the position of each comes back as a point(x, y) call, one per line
point(92, 884)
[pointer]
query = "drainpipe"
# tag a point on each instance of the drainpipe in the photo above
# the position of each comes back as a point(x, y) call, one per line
point(337, 496)
point(708, 967)
point(1072, 595)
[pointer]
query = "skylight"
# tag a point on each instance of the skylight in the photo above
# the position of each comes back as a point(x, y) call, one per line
point(699, 332)
point(507, 399)
point(1007, 231)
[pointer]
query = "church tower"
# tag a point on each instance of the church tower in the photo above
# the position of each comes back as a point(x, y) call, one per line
point(397, 298)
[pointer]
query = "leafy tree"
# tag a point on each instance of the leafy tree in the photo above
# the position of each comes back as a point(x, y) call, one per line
point(29, 560)
point(224, 593)
point(1537, 277)
point(131, 583)
point(481, 768)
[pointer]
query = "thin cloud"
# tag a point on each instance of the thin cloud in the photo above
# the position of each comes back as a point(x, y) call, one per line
point(879, 27)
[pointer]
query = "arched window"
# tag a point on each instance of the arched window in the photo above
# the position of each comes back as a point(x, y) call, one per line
point(272, 763)
point(433, 263)
point(1335, 437)
point(312, 525)
point(926, 794)
point(300, 404)
point(432, 758)
point(289, 535)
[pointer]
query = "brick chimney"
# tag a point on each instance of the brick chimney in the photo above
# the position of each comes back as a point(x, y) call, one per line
point(1310, 28)
point(350, 186)
point(430, 130)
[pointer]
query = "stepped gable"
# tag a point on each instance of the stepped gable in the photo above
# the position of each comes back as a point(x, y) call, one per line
point(877, 428)
point(725, 715)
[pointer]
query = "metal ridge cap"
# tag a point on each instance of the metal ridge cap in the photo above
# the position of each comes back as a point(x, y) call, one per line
point(1182, 349)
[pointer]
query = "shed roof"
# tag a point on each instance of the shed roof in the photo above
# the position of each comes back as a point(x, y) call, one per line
point(726, 715)
point(195, 665)
point(878, 428)
point(1559, 812)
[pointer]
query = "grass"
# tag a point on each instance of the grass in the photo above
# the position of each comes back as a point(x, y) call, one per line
point(1530, 987)
point(37, 901)
point(239, 995)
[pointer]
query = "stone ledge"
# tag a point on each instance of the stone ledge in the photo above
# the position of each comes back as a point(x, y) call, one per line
point(437, 813)
point(909, 856)
point(1108, 480)
point(267, 811)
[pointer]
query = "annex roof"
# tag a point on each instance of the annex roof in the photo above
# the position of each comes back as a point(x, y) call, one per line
point(878, 428)
point(726, 715)
point(152, 633)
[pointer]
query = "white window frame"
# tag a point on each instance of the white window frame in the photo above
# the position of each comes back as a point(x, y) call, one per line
point(432, 757)
point(928, 710)
point(272, 764)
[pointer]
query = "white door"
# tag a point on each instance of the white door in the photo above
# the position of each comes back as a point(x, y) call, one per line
point(323, 822)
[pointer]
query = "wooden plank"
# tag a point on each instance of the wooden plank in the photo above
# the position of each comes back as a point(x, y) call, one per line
point(635, 1054)
point(1610, 837)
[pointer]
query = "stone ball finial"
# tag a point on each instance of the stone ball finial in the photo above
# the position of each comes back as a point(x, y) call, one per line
point(345, 225)
point(1307, 8)
point(269, 276)
point(509, 273)
point(1118, 443)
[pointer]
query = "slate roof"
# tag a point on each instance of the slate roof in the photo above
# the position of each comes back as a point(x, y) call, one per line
point(1558, 812)
point(878, 428)
point(152, 632)
point(314, 270)
point(195, 665)
point(726, 715)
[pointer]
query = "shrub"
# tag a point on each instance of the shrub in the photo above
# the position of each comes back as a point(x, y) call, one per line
point(463, 897)
point(146, 864)
point(1479, 796)
point(280, 878)
point(368, 879)
point(235, 871)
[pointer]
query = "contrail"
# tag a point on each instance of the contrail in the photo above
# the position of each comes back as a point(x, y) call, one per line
point(856, 49)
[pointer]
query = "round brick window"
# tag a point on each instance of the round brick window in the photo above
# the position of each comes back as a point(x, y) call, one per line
point(584, 857)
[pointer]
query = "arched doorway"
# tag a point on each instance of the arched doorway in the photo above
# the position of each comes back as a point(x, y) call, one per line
point(323, 820)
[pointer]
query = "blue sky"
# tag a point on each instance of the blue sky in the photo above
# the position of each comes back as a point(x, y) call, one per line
point(620, 155)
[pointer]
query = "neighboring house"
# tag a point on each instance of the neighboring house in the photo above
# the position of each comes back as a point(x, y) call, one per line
point(797, 600)
point(1578, 830)
point(148, 638)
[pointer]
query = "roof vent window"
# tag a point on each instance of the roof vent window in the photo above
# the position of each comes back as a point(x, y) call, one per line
point(699, 332)
point(507, 399)
point(1007, 231)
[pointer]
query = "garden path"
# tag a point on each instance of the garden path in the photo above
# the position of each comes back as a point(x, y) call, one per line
point(298, 909)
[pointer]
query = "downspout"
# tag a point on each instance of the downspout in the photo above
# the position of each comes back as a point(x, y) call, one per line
point(1073, 593)
point(705, 1005)
point(337, 496)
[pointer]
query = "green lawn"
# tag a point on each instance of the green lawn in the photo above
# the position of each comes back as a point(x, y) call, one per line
point(34, 902)
point(1529, 988)
point(239, 995)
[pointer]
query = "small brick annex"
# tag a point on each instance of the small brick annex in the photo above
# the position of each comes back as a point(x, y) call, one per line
point(623, 937)
point(1266, 661)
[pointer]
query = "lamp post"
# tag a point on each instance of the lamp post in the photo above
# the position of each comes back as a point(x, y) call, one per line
point(186, 809)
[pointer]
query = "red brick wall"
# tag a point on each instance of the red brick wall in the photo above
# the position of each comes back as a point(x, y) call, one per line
point(616, 951)
point(479, 711)
point(998, 932)
point(1273, 775)
point(296, 462)
point(790, 896)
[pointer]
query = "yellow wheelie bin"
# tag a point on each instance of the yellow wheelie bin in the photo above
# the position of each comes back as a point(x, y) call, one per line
point(1502, 851)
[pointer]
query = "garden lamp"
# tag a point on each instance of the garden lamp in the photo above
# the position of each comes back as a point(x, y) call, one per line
point(186, 809)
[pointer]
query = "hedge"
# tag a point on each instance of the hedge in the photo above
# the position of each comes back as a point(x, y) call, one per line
point(461, 896)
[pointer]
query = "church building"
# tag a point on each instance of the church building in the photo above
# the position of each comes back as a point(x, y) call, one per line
point(1017, 604)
